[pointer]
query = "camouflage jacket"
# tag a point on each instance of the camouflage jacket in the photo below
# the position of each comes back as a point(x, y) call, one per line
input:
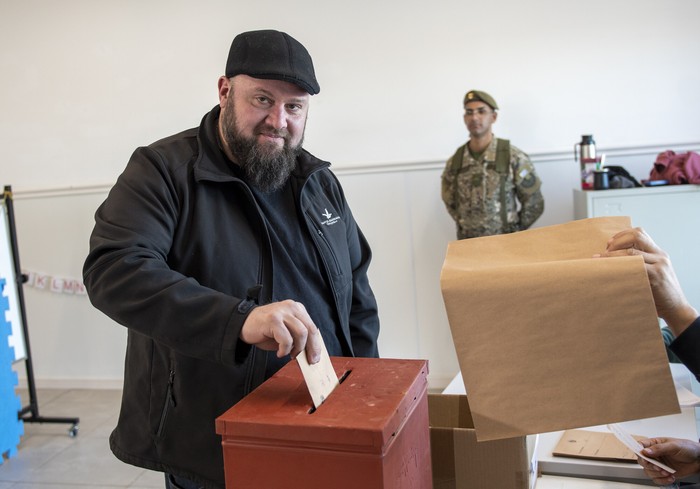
point(473, 198)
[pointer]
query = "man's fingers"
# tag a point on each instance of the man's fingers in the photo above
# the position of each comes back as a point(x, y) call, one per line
point(298, 333)
point(303, 334)
point(283, 326)
point(622, 252)
point(635, 238)
point(314, 344)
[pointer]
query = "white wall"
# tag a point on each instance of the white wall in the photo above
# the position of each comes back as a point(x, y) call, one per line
point(84, 83)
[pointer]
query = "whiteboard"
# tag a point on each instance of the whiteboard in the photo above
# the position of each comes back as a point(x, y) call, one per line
point(7, 272)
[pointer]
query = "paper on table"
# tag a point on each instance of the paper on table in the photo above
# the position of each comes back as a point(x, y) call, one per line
point(320, 377)
point(549, 338)
point(596, 445)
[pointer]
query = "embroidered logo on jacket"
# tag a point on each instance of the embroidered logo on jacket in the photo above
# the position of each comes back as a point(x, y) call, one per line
point(330, 220)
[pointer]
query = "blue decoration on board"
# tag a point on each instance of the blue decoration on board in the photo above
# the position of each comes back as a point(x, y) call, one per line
point(11, 427)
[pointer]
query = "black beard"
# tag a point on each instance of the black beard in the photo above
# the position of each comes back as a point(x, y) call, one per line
point(265, 167)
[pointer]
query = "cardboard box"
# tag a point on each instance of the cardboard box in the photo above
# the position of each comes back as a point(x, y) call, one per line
point(371, 432)
point(461, 462)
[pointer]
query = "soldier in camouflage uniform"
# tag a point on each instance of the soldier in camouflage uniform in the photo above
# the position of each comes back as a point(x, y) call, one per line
point(489, 186)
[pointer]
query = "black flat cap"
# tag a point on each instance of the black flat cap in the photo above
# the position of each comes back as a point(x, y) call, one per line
point(272, 55)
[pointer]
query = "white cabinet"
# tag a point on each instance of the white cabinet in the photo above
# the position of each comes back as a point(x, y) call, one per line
point(671, 216)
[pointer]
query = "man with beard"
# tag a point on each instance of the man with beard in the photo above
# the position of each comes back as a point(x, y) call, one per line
point(226, 250)
point(489, 186)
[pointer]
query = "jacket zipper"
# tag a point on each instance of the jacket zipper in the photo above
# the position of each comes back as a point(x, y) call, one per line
point(248, 387)
point(327, 243)
point(169, 403)
point(264, 240)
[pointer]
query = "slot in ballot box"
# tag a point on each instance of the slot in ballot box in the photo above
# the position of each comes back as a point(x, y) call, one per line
point(372, 431)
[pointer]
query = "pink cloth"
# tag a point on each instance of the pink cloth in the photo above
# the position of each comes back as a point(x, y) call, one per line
point(677, 168)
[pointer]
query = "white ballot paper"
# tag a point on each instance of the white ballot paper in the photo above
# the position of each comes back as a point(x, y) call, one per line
point(686, 398)
point(320, 377)
point(635, 446)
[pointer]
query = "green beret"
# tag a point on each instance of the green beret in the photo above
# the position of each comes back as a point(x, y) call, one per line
point(479, 96)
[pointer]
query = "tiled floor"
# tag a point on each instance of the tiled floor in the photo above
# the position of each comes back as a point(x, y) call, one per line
point(48, 458)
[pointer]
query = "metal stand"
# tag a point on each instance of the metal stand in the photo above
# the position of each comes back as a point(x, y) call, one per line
point(29, 413)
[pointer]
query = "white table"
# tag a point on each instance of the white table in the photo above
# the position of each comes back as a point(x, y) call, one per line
point(560, 482)
point(572, 473)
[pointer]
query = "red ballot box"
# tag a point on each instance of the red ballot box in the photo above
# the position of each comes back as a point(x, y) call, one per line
point(371, 432)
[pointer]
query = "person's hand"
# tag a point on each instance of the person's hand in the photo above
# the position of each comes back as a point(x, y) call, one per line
point(283, 326)
point(681, 455)
point(671, 304)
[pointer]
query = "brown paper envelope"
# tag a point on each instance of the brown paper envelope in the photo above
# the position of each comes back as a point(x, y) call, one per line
point(549, 338)
point(595, 445)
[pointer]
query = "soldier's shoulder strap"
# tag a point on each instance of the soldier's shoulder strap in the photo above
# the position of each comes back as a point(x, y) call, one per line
point(458, 159)
point(502, 166)
point(502, 155)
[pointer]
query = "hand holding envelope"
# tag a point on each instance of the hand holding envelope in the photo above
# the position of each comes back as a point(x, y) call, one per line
point(550, 338)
